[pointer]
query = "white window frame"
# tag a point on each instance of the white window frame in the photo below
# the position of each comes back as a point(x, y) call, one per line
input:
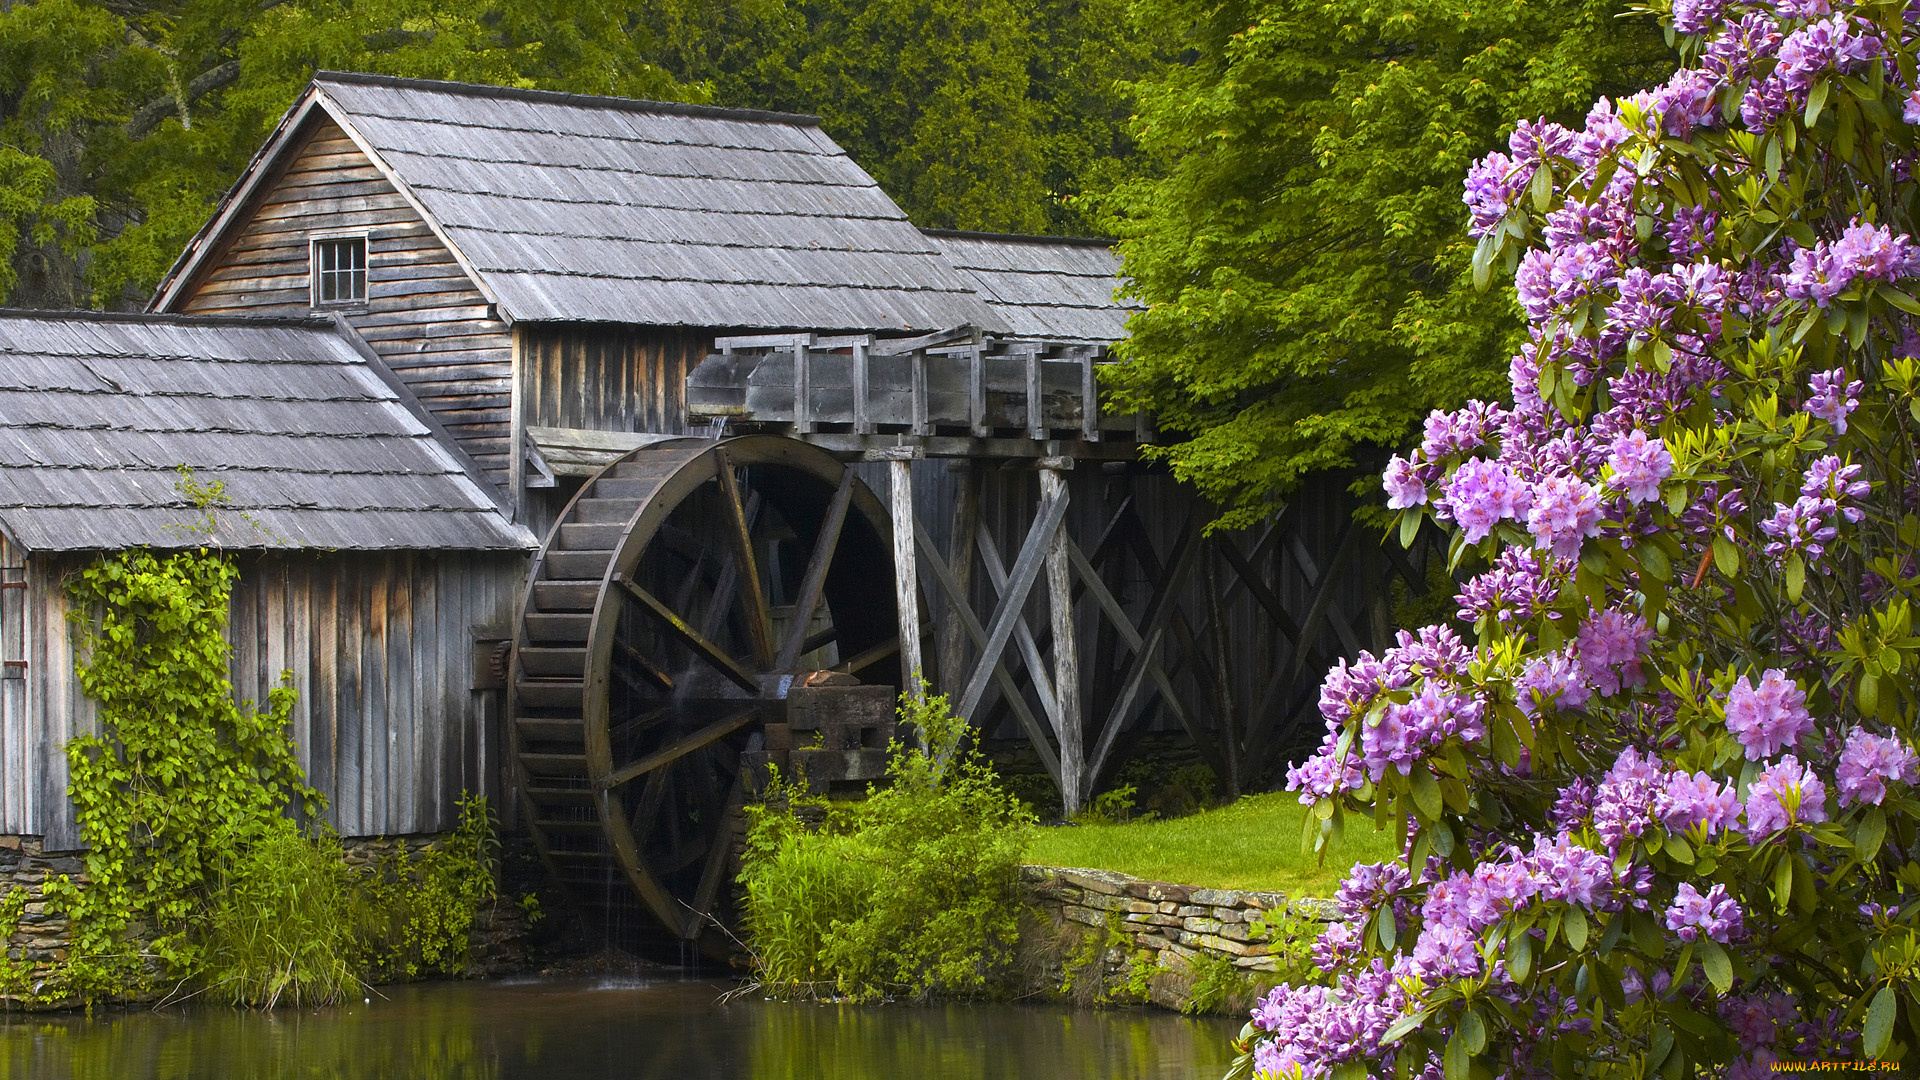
point(314, 240)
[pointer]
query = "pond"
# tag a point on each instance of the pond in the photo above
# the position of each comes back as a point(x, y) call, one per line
point(632, 1029)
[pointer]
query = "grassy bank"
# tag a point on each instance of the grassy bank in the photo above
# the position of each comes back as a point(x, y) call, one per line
point(1252, 844)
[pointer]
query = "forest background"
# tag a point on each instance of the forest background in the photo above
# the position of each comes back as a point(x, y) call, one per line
point(1283, 176)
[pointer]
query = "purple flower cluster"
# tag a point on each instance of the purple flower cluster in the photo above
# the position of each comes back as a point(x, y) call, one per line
point(1833, 398)
point(1785, 793)
point(1610, 644)
point(1714, 914)
point(1816, 50)
point(1639, 464)
point(1480, 494)
point(1863, 253)
point(1406, 725)
point(1697, 804)
point(1316, 1029)
point(1520, 584)
point(1550, 682)
point(1769, 717)
point(1869, 762)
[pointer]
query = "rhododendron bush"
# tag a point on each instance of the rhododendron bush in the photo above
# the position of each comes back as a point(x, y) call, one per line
point(1657, 802)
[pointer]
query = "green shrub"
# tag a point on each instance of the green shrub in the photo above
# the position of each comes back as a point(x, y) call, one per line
point(913, 892)
point(416, 914)
point(282, 924)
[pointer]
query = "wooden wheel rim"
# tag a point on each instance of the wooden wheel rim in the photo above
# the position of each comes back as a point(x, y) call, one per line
point(677, 471)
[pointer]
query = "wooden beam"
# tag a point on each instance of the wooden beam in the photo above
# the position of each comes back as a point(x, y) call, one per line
point(1335, 617)
point(1022, 637)
point(681, 747)
point(962, 611)
point(966, 518)
point(814, 582)
point(1036, 413)
point(918, 362)
point(1089, 400)
point(1066, 653)
point(1230, 735)
point(753, 601)
point(977, 392)
point(1020, 581)
point(638, 659)
point(742, 676)
point(906, 585)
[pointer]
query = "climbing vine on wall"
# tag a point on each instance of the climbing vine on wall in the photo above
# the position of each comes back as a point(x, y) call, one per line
point(177, 772)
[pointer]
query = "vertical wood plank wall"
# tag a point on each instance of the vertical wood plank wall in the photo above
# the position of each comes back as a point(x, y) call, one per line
point(423, 314)
point(381, 654)
point(608, 378)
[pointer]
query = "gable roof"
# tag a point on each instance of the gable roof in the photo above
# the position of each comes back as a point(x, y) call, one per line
point(569, 208)
point(1052, 288)
point(98, 412)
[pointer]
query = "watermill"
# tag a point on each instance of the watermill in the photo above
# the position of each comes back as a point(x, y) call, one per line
point(683, 590)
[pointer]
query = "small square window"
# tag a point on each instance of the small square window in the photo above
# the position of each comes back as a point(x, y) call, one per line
point(340, 271)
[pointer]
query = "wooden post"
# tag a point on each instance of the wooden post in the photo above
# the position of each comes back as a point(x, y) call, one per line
point(862, 415)
point(802, 388)
point(1089, 398)
point(977, 392)
point(1066, 656)
point(906, 579)
point(966, 516)
point(918, 359)
point(1036, 414)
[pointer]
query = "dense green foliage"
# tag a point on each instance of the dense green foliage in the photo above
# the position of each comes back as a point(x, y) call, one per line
point(912, 892)
point(282, 922)
point(1304, 259)
point(177, 774)
point(121, 124)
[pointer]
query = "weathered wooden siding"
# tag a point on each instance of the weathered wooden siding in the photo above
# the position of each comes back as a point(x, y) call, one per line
point(423, 314)
point(608, 378)
point(380, 651)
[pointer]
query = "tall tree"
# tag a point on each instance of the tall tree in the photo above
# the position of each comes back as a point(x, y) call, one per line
point(120, 126)
point(1304, 259)
point(975, 114)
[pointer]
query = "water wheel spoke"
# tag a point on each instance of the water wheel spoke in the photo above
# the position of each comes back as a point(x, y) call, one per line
point(814, 583)
point(753, 601)
point(742, 675)
point(635, 657)
point(720, 601)
point(680, 748)
point(717, 856)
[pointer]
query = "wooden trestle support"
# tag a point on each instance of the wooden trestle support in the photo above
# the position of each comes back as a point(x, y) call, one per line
point(692, 582)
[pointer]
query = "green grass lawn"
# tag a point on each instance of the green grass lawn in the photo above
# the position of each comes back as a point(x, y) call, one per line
point(1252, 844)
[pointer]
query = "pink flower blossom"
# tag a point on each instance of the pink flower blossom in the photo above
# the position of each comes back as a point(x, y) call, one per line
point(1784, 783)
point(1868, 762)
point(1639, 464)
point(1769, 717)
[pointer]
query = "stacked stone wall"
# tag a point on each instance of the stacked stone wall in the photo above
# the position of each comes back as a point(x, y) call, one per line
point(1121, 920)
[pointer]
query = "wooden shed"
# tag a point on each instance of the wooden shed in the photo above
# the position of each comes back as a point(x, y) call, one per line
point(370, 551)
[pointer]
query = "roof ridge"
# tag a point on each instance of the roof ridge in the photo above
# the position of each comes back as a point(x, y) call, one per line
point(556, 97)
point(284, 322)
point(1022, 238)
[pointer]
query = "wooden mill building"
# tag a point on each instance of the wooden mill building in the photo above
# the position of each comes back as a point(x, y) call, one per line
point(709, 442)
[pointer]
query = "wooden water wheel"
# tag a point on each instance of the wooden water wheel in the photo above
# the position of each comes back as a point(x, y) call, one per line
point(665, 618)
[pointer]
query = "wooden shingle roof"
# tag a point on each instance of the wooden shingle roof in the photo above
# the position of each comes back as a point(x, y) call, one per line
point(1048, 288)
point(569, 208)
point(314, 448)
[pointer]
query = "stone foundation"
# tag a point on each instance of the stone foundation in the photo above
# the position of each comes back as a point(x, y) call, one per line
point(1107, 926)
point(38, 944)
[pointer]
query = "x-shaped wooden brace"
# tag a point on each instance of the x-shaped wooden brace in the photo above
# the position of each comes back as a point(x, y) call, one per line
point(992, 643)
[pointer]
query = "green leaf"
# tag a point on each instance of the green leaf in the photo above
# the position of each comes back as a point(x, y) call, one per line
point(1867, 692)
point(1473, 1031)
point(1816, 101)
point(1405, 1024)
point(1410, 520)
point(1725, 556)
point(1426, 792)
point(1716, 963)
point(1519, 955)
point(1575, 926)
point(1796, 575)
point(1654, 561)
point(1868, 833)
point(1457, 1060)
point(1878, 1029)
point(1900, 299)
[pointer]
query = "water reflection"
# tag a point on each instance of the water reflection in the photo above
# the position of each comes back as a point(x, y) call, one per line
point(594, 1029)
